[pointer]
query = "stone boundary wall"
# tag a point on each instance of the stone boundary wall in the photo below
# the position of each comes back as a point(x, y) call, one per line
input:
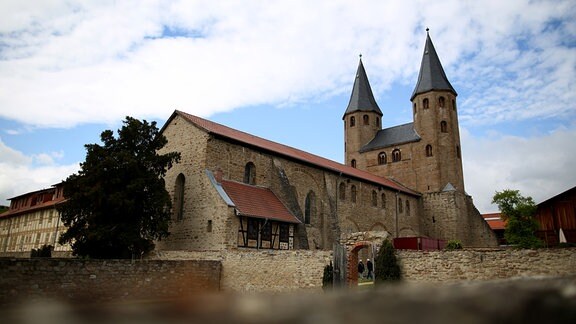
point(248, 270)
point(101, 280)
point(482, 264)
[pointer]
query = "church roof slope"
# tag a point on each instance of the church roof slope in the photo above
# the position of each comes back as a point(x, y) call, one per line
point(431, 76)
point(290, 152)
point(259, 202)
point(392, 136)
point(362, 98)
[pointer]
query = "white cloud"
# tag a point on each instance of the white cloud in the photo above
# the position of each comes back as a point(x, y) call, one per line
point(66, 63)
point(540, 166)
point(20, 173)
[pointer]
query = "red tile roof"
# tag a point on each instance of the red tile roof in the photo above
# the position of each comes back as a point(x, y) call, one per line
point(230, 133)
point(495, 221)
point(257, 202)
point(29, 209)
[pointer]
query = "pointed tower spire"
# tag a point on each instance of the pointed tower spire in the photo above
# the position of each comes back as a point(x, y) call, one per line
point(362, 98)
point(432, 76)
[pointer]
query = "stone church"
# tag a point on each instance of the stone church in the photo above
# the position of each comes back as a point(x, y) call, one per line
point(232, 189)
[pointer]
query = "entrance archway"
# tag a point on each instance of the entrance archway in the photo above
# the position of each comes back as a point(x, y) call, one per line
point(352, 261)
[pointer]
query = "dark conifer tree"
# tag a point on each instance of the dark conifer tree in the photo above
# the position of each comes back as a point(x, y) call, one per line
point(117, 204)
point(386, 265)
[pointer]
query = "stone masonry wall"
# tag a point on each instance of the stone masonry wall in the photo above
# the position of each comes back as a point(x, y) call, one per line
point(247, 270)
point(450, 266)
point(100, 280)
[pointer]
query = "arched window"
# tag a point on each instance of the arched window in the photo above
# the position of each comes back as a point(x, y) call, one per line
point(377, 122)
point(425, 103)
point(441, 102)
point(458, 154)
point(453, 104)
point(179, 196)
point(352, 121)
point(414, 108)
point(342, 191)
point(400, 207)
point(353, 194)
point(250, 173)
point(443, 126)
point(382, 158)
point(407, 207)
point(309, 207)
point(428, 150)
point(374, 198)
point(366, 120)
point(383, 200)
point(353, 163)
point(396, 155)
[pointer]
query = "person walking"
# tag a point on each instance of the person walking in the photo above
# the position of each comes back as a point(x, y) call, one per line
point(360, 269)
point(370, 267)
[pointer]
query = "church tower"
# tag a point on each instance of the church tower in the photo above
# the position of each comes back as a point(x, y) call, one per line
point(362, 119)
point(438, 161)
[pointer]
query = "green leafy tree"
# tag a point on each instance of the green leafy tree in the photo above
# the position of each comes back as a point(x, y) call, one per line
point(519, 212)
point(117, 204)
point(386, 267)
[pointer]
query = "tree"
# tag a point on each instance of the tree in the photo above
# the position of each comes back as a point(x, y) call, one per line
point(519, 214)
point(117, 204)
point(386, 265)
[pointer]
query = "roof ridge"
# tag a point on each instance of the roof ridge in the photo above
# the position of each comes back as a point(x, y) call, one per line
point(291, 152)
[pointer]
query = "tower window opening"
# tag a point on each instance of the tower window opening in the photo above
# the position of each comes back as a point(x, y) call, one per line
point(353, 194)
point(458, 154)
point(382, 158)
point(425, 103)
point(453, 104)
point(443, 126)
point(366, 120)
point(352, 121)
point(353, 163)
point(414, 108)
point(377, 122)
point(396, 155)
point(428, 150)
point(441, 102)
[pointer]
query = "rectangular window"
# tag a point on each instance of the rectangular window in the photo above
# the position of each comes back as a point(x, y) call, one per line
point(284, 234)
point(252, 229)
point(267, 232)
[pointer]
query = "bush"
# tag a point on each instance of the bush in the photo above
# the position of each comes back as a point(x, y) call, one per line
point(44, 252)
point(386, 265)
point(453, 245)
point(328, 276)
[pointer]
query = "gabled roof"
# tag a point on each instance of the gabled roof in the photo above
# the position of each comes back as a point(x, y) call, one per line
point(259, 202)
point(288, 152)
point(431, 76)
point(362, 98)
point(495, 221)
point(392, 136)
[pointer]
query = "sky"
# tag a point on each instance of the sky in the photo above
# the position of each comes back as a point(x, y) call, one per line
point(284, 71)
